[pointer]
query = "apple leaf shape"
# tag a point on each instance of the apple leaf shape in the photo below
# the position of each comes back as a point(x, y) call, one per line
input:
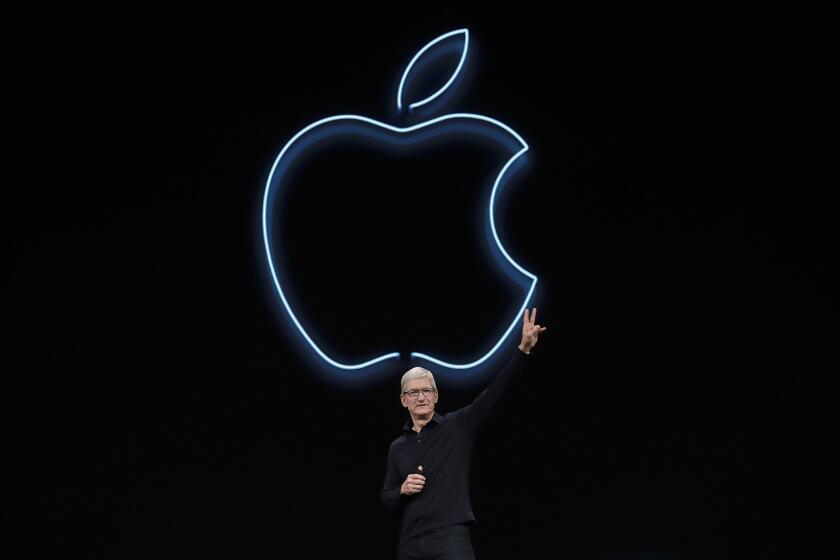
point(417, 57)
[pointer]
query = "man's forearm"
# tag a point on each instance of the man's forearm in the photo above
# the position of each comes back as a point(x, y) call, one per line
point(473, 414)
point(391, 499)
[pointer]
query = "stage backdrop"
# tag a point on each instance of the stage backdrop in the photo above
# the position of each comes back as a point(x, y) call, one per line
point(673, 208)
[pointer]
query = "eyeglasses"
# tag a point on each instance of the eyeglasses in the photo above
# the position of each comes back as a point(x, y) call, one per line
point(414, 393)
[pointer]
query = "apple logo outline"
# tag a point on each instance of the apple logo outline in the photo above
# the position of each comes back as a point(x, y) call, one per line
point(310, 135)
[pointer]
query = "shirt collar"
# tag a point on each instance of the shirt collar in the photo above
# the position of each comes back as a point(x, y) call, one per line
point(436, 418)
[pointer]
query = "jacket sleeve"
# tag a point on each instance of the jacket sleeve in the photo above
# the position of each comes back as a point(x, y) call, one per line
point(390, 496)
point(471, 416)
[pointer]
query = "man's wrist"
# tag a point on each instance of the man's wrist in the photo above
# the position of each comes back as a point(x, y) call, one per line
point(524, 349)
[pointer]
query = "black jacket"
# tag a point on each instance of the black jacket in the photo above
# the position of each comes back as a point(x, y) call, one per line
point(444, 448)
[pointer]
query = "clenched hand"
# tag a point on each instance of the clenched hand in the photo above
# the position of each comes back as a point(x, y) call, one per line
point(413, 484)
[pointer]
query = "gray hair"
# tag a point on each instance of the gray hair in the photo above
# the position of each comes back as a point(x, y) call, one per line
point(416, 373)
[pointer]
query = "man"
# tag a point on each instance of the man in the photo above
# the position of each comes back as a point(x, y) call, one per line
point(427, 479)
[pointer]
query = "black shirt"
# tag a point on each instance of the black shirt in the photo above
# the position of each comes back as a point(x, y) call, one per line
point(444, 449)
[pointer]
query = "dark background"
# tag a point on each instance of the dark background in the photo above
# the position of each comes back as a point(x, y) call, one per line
point(677, 209)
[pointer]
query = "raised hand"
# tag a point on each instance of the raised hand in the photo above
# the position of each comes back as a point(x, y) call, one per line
point(530, 331)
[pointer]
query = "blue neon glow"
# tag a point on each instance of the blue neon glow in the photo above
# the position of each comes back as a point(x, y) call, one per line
point(274, 179)
point(417, 56)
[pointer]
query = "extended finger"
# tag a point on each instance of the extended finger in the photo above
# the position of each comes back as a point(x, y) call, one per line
point(525, 318)
point(534, 316)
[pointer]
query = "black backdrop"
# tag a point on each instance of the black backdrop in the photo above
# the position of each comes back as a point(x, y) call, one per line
point(676, 208)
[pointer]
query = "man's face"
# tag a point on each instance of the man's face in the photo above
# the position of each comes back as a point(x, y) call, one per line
point(419, 397)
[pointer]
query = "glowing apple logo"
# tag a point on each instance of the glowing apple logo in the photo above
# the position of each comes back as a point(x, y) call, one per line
point(354, 127)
